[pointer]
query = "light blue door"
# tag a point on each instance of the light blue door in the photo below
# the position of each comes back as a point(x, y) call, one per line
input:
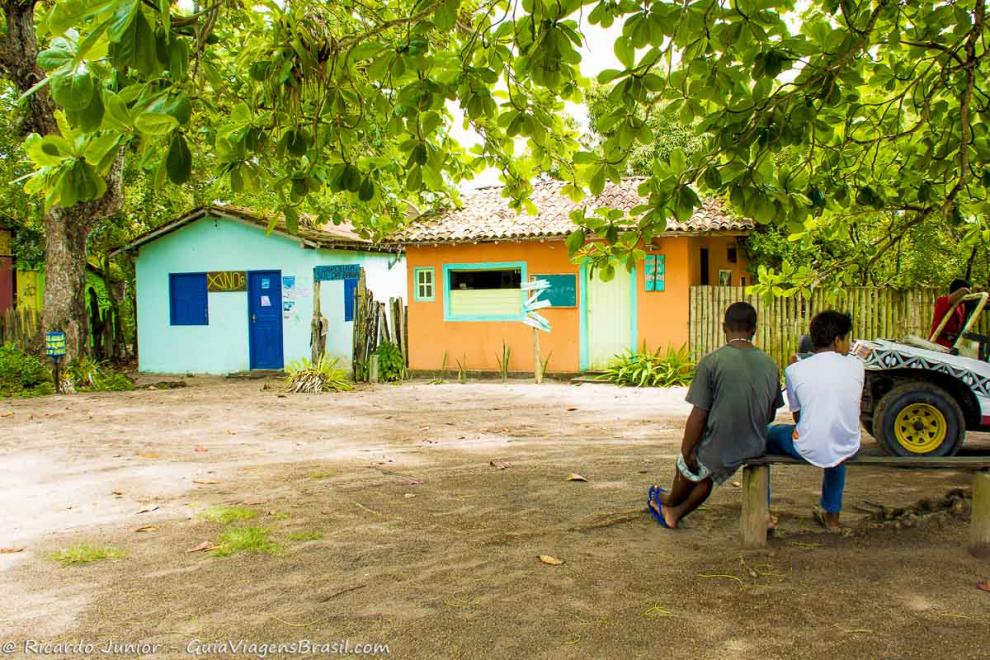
point(265, 319)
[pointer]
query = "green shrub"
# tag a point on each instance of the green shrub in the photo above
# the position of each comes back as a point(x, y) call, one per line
point(22, 374)
point(89, 376)
point(391, 363)
point(304, 376)
point(668, 367)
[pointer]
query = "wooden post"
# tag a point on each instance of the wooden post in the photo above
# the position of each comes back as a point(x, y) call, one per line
point(373, 369)
point(979, 534)
point(318, 327)
point(537, 362)
point(360, 327)
point(755, 505)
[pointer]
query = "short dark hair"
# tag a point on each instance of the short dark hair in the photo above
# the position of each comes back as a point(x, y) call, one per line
point(828, 326)
point(958, 284)
point(740, 317)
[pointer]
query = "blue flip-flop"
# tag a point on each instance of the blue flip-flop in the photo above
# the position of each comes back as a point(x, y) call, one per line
point(652, 496)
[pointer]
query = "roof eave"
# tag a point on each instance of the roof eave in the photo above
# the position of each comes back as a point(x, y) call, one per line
point(559, 237)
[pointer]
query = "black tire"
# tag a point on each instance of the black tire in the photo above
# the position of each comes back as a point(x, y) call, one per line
point(911, 393)
point(867, 422)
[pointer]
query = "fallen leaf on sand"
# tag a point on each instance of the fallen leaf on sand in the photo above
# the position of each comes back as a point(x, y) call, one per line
point(117, 493)
point(147, 528)
point(409, 495)
point(9, 413)
point(736, 484)
point(985, 585)
point(205, 545)
point(551, 560)
point(571, 409)
point(148, 454)
point(500, 465)
point(574, 476)
point(149, 509)
point(200, 448)
point(206, 482)
point(10, 551)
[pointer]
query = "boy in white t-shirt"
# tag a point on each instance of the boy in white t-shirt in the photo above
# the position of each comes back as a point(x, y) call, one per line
point(824, 392)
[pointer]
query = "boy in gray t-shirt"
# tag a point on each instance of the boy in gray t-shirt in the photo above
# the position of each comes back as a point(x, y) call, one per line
point(735, 394)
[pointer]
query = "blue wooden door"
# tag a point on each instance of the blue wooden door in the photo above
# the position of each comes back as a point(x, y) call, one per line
point(265, 319)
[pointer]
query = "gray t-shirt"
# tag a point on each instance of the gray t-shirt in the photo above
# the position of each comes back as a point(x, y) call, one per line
point(740, 389)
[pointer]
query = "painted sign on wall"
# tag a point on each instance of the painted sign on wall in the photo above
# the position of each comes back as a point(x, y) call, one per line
point(562, 291)
point(656, 272)
point(226, 280)
point(339, 272)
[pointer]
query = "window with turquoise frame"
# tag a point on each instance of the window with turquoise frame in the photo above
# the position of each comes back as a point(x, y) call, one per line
point(423, 284)
point(655, 272)
point(483, 291)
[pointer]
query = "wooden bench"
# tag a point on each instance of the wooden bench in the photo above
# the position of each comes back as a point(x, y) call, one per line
point(756, 489)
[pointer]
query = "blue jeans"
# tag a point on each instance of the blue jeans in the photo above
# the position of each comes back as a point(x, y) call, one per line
point(780, 440)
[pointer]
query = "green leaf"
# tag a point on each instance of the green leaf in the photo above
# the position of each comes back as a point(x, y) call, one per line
point(122, 19)
point(155, 123)
point(367, 191)
point(47, 151)
point(625, 52)
point(59, 54)
point(89, 118)
point(574, 241)
point(117, 116)
point(73, 91)
point(291, 216)
point(67, 14)
point(178, 161)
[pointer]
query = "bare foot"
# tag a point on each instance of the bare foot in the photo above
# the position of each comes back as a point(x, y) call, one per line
point(667, 518)
point(830, 521)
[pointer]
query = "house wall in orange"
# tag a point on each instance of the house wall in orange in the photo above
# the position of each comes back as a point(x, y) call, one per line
point(478, 344)
point(662, 317)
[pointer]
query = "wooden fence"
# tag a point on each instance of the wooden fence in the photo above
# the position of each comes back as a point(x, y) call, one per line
point(876, 312)
point(19, 326)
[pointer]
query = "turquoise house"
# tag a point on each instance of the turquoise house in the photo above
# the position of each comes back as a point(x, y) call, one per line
point(218, 294)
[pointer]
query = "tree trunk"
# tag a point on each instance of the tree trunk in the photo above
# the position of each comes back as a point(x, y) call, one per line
point(65, 281)
point(65, 229)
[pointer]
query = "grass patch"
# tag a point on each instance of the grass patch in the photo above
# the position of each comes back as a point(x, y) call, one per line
point(255, 540)
point(85, 554)
point(305, 536)
point(228, 514)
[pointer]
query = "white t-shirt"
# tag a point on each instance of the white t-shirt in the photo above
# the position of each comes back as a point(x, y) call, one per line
point(826, 388)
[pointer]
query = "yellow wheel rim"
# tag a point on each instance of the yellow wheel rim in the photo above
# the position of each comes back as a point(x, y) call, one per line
point(920, 428)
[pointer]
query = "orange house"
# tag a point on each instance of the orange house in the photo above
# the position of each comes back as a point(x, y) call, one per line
point(466, 268)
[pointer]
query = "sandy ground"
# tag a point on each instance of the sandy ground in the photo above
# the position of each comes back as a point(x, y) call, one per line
point(429, 548)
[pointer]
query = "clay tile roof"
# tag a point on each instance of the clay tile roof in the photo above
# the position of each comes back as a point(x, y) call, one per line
point(485, 215)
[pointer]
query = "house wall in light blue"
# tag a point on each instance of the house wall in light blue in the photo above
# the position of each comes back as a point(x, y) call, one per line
point(216, 243)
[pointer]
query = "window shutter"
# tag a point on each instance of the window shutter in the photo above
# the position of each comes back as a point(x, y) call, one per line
point(188, 300)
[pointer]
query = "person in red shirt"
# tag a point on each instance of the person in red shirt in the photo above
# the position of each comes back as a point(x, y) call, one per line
point(943, 304)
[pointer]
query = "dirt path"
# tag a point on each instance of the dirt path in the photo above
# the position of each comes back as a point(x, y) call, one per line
point(425, 546)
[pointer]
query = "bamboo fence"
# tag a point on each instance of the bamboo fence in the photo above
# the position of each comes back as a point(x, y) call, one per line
point(19, 327)
point(877, 313)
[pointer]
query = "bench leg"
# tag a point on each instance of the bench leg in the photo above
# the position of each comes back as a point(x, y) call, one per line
point(979, 535)
point(755, 505)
